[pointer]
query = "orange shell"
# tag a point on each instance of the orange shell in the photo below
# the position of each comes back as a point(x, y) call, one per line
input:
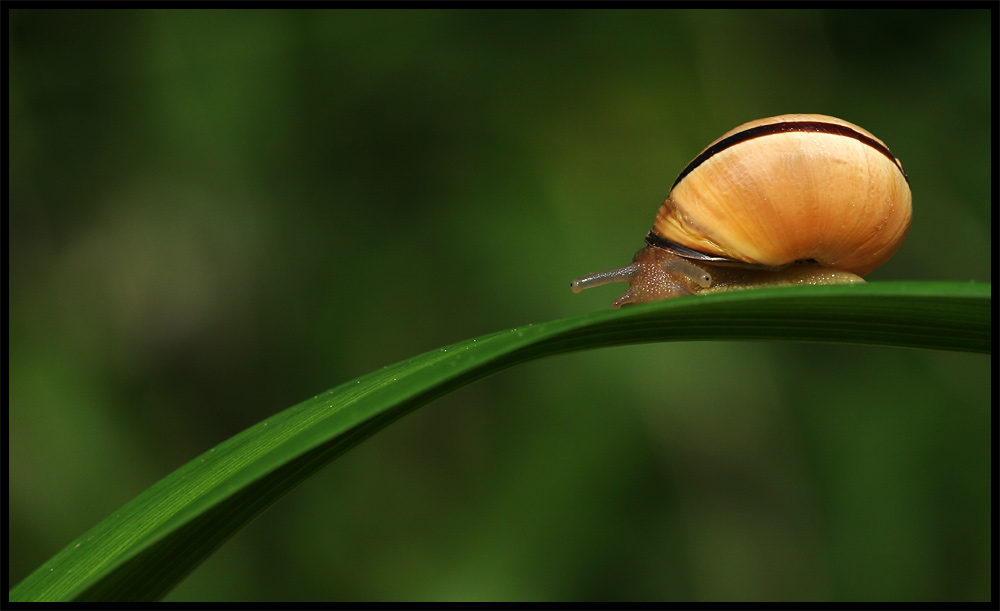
point(790, 188)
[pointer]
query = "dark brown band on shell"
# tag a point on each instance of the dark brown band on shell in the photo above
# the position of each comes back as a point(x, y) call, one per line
point(659, 241)
point(785, 127)
point(683, 251)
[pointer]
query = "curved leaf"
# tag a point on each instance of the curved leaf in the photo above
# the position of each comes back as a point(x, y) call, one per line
point(145, 548)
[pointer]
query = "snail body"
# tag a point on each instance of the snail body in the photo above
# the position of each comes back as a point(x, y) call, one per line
point(792, 199)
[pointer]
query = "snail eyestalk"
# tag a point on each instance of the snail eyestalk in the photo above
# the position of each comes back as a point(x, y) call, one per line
point(686, 269)
point(622, 274)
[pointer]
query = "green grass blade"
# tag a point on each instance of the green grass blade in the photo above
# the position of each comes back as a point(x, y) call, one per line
point(144, 549)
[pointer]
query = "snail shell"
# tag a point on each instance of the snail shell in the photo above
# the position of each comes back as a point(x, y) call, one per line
point(786, 200)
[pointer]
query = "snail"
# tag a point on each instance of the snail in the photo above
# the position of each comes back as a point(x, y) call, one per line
point(792, 199)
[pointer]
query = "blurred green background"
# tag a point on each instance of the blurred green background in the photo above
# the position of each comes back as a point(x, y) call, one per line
point(217, 214)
